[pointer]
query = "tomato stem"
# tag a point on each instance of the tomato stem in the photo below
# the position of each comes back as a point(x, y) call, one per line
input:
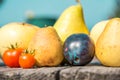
point(29, 52)
point(16, 45)
point(26, 51)
point(13, 46)
point(32, 51)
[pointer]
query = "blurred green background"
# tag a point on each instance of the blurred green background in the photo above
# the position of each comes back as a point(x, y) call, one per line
point(48, 11)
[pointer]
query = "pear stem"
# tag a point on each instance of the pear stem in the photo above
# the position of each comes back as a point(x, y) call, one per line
point(78, 1)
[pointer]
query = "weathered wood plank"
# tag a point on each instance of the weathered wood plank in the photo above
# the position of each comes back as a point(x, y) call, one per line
point(90, 73)
point(61, 73)
point(45, 73)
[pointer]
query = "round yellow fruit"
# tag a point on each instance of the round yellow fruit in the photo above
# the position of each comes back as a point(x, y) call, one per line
point(12, 33)
point(108, 44)
point(97, 30)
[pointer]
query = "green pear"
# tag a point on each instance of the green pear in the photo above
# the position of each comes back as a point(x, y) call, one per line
point(71, 21)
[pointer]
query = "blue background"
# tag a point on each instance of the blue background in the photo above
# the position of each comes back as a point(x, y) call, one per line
point(16, 10)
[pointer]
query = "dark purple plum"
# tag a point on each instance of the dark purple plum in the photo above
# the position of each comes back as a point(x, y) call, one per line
point(79, 49)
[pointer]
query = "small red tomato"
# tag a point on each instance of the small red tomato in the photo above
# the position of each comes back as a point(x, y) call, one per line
point(11, 57)
point(26, 60)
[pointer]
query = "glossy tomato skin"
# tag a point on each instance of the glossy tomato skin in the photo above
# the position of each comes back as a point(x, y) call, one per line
point(79, 49)
point(11, 57)
point(26, 60)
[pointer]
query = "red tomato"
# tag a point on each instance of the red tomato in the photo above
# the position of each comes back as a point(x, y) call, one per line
point(26, 60)
point(11, 57)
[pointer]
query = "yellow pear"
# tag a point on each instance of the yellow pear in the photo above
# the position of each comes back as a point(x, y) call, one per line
point(108, 44)
point(71, 21)
point(97, 30)
point(48, 47)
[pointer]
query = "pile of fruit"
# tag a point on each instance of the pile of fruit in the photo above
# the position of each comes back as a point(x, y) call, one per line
point(68, 41)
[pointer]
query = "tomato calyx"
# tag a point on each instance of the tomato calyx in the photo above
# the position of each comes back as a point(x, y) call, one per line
point(13, 46)
point(26, 51)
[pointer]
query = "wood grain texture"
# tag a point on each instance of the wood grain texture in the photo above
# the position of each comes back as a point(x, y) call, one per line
point(88, 72)
point(61, 73)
